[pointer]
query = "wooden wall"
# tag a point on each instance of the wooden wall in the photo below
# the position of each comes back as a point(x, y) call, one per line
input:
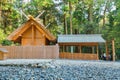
point(33, 37)
point(44, 52)
point(32, 52)
point(82, 56)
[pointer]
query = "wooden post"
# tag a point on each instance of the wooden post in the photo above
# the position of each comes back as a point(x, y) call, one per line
point(106, 45)
point(113, 50)
point(57, 51)
point(80, 49)
point(97, 52)
point(93, 50)
point(33, 40)
point(44, 51)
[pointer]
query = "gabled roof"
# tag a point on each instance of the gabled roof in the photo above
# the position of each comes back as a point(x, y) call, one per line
point(18, 32)
point(81, 38)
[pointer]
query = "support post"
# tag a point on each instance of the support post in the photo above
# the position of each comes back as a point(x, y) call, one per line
point(113, 50)
point(57, 52)
point(93, 49)
point(97, 52)
point(80, 49)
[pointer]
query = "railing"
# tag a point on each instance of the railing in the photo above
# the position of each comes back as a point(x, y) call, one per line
point(82, 56)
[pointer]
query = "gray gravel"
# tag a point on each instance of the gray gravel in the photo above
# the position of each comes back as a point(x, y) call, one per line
point(59, 70)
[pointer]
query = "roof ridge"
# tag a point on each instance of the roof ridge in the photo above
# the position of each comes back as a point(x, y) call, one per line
point(78, 34)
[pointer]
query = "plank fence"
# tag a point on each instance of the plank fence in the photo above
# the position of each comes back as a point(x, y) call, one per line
point(32, 52)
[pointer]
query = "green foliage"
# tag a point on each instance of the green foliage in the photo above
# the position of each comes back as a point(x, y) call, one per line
point(65, 8)
point(56, 30)
point(2, 36)
point(7, 43)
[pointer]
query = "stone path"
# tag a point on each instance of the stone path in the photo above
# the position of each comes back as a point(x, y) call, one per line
point(48, 69)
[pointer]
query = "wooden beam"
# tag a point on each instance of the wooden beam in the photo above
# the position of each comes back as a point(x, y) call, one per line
point(47, 25)
point(79, 44)
point(97, 52)
point(23, 29)
point(24, 14)
point(40, 14)
point(41, 31)
point(44, 31)
point(113, 49)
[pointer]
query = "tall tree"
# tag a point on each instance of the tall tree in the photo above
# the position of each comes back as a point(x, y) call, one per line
point(70, 12)
point(5, 11)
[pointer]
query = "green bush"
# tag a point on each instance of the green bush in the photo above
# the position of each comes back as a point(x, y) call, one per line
point(2, 36)
point(7, 43)
point(118, 54)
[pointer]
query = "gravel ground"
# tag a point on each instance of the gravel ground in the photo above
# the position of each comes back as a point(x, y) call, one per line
point(26, 69)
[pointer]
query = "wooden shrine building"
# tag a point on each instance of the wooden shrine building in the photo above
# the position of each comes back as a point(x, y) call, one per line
point(83, 46)
point(32, 32)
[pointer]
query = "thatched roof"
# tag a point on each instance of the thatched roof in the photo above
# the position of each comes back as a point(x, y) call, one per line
point(15, 35)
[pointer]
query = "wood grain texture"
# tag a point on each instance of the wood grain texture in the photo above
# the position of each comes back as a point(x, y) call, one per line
point(32, 52)
point(82, 56)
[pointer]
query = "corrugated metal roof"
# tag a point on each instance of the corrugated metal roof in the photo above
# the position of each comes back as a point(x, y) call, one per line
point(81, 38)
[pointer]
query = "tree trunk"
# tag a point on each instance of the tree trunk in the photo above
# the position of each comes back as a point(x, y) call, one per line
point(4, 14)
point(113, 50)
point(104, 14)
point(65, 24)
point(70, 12)
point(5, 25)
point(44, 20)
point(90, 12)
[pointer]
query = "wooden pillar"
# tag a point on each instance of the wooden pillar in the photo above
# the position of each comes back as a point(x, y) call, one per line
point(106, 46)
point(97, 52)
point(72, 49)
point(80, 49)
point(113, 50)
point(63, 48)
point(33, 34)
point(57, 51)
point(93, 49)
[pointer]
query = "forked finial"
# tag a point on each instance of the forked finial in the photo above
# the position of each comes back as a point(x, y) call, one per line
point(30, 17)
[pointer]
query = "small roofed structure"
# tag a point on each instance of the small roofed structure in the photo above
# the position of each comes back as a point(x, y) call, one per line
point(32, 32)
point(81, 46)
point(3, 54)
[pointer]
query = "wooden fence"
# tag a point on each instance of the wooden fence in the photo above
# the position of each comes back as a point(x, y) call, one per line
point(32, 52)
point(82, 56)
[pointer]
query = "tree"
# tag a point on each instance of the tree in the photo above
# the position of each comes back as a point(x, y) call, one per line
point(2, 36)
point(5, 11)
